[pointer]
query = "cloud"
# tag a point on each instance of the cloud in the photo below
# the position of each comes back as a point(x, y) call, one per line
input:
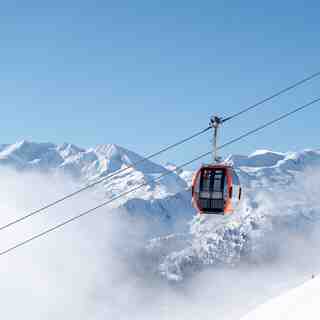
point(96, 268)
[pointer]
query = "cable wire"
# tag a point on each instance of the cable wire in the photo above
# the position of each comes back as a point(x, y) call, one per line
point(58, 226)
point(121, 195)
point(267, 124)
point(70, 195)
point(277, 94)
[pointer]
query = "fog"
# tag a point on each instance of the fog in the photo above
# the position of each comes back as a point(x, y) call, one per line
point(95, 268)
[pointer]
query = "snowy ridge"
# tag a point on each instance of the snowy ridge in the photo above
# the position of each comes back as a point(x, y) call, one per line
point(299, 303)
point(268, 159)
point(184, 243)
point(249, 234)
point(90, 165)
point(259, 158)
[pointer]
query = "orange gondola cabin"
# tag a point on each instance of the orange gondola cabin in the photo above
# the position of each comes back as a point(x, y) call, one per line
point(216, 189)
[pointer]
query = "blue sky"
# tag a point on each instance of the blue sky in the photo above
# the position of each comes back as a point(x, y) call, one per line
point(143, 74)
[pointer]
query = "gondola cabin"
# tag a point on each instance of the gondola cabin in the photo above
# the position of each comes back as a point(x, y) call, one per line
point(216, 189)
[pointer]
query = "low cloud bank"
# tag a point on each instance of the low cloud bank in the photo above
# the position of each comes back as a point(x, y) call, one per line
point(96, 268)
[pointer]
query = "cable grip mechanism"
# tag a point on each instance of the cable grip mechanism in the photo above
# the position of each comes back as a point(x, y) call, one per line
point(215, 123)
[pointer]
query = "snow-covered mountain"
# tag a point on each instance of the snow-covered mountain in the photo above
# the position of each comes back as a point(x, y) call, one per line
point(165, 201)
point(269, 179)
point(90, 165)
point(267, 167)
point(280, 195)
point(296, 304)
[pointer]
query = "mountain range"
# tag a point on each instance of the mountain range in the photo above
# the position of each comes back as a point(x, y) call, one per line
point(186, 243)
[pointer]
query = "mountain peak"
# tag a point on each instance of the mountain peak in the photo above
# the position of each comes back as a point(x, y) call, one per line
point(265, 152)
point(110, 150)
point(68, 149)
point(259, 158)
point(26, 150)
point(115, 157)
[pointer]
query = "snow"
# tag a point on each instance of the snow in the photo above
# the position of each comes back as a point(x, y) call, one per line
point(263, 152)
point(296, 304)
point(259, 158)
point(208, 241)
point(280, 205)
point(272, 202)
point(90, 165)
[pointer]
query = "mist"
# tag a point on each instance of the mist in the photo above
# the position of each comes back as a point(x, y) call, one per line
point(95, 268)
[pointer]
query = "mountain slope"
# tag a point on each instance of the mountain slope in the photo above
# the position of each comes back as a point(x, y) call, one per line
point(277, 196)
point(221, 267)
point(90, 165)
point(296, 304)
point(280, 197)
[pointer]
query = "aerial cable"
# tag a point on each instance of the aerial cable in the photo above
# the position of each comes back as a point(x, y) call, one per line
point(267, 124)
point(121, 195)
point(277, 94)
point(68, 196)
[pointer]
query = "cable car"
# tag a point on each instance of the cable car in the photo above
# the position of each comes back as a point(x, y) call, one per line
point(216, 187)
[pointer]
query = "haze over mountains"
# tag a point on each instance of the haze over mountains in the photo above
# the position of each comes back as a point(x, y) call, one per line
point(280, 209)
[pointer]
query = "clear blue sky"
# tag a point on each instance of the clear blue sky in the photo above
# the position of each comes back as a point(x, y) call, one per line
point(143, 74)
